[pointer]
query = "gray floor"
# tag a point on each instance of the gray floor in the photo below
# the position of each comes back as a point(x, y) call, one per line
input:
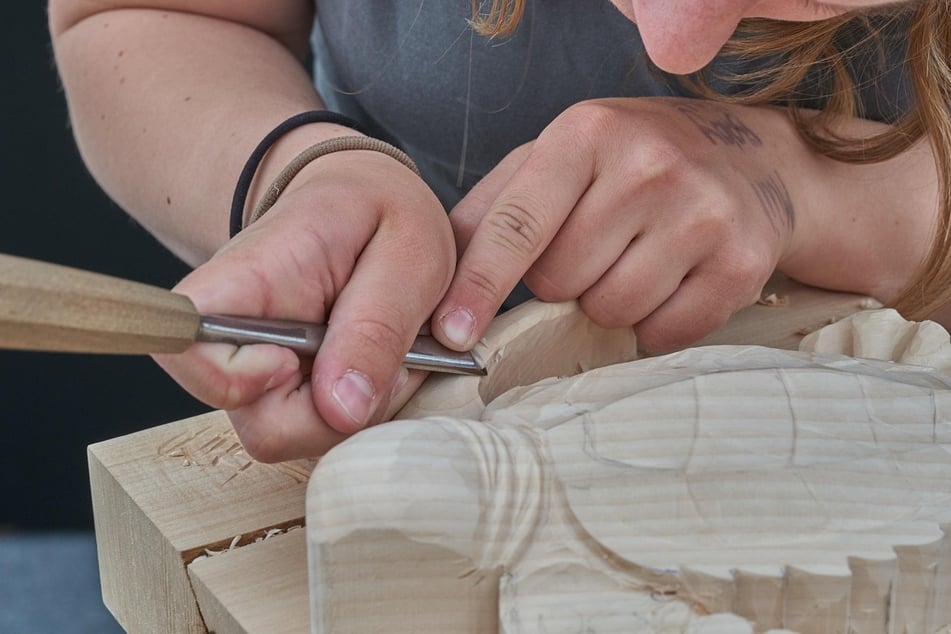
point(49, 582)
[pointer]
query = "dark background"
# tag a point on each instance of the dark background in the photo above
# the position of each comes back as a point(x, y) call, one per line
point(53, 405)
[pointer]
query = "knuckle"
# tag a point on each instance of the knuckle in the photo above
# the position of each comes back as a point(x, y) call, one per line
point(257, 437)
point(514, 227)
point(749, 265)
point(662, 159)
point(203, 377)
point(588, 120)
point(484, 283)
point(228, 394)
point(713, 222)
point(384, 334)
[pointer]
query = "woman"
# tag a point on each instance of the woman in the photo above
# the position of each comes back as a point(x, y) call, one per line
point(566, 157)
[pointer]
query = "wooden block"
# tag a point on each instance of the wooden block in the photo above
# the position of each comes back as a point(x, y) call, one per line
point(245, 589)
point(162, 496)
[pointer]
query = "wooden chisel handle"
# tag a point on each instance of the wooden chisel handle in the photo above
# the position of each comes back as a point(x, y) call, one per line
point(57, 308)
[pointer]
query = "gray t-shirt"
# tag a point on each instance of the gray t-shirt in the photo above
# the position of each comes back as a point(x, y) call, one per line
point(457, 101)
point(417, 75)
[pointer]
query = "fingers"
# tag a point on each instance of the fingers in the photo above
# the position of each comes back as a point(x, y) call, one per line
point(399, 277)
point(546, 182)
point(690, 313)
point(373, 324)
point(227, 377)
point(468, 213)
point(404, 389)
point(600, 230)
point(671, 301)
point(367, 251)
point(280, 425)
point(614, 204)
point(640, 280)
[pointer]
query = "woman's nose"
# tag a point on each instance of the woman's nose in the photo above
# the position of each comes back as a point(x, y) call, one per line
point(682, 36)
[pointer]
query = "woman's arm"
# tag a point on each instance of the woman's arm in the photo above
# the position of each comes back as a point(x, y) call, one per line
point(168, 99)
point(867, 227)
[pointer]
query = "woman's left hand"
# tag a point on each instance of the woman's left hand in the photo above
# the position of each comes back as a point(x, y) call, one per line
point(665, 214)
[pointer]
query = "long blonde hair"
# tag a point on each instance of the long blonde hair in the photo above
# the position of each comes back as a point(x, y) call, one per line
point(807, 45)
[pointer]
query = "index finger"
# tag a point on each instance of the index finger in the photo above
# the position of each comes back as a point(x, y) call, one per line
point(516, 229)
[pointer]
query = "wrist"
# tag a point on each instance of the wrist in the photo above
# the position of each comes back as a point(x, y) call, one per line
point(869, 229)
point(297, 131)
point(310, 155)
point(283, 153)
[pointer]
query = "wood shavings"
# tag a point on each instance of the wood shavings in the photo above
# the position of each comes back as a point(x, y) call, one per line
point(276, 531)
point(808, 330)
point(870, 303)
point(867, 303)
point(773, 300)
point(236, 541)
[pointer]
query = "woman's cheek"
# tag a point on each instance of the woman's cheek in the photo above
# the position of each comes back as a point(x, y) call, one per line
point(626, 8)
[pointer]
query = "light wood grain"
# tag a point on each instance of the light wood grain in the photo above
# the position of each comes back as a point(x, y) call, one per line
point(766, 473)
point(157, 509)
point(789, 311)
point(163, 496)
point(49, 307)
point(277, 562)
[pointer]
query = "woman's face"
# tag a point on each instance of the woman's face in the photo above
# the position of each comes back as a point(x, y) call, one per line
point(681, 36)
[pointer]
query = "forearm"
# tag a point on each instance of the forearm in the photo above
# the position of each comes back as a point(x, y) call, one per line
point(166, 107)
point(863, 228)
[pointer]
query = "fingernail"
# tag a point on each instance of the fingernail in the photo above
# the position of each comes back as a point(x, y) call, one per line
point(354, 393)
point(400, 383)
point(458, 326)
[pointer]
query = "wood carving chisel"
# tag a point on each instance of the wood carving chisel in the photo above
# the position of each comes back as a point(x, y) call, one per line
point(51, 307)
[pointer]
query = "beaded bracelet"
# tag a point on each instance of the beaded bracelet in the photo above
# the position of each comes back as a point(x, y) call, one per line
point(240, 196)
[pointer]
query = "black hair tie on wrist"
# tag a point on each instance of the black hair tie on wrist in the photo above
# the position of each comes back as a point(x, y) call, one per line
point(247, 174)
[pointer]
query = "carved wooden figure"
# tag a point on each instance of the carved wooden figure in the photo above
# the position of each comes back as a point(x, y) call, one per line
point(721, 489)
point(194, 536)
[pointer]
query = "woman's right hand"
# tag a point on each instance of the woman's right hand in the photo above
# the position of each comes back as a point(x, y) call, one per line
point(357, 241)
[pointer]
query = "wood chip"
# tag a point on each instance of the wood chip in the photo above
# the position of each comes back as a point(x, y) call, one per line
point(773, 300)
